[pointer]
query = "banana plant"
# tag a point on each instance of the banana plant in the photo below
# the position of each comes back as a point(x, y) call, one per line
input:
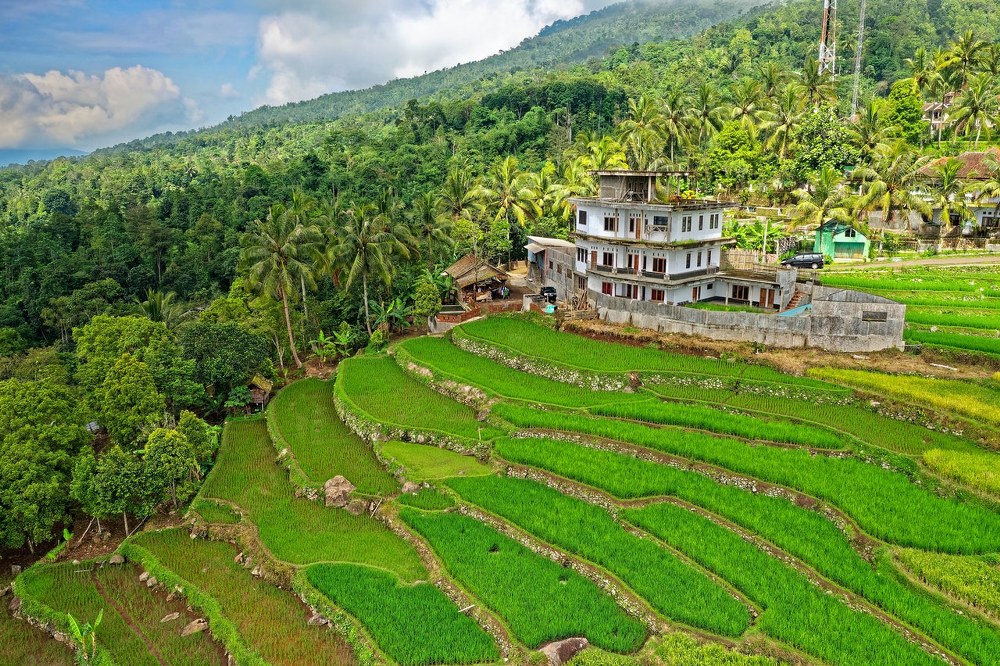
point(85, 637)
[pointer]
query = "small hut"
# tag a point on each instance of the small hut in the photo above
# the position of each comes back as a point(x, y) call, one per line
point(260, 391)
point(476, 279)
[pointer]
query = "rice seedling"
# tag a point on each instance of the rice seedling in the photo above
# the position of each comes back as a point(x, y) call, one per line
point(976, 401)
point(957, 299)
point(961, 317)
point(977, 343)
point(977, 282)
point(304, 416)
point(130, 629)
point(677, 649)
point(413, 624)
point(539, 599)
point(427, 463)
point(800, 532)
point(466, 368)
point(978, 470)
point(25, 644)
point(297, 530)
point(974, 580)
point(214, 512)
point(715, 420)
point(525, 338)
point(378, 387)
point(795, 610)
point(670, 585)
point(885, 503)
point(273, 622)
point(428, 499)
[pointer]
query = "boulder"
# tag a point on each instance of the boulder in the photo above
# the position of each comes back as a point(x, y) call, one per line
point(194, 627)
point(15, 569)
point(357, 507)
point(317, 620)
point(170, 617)
point(144, 576)
point(151, 581)
point(238, 559)
point(410, 487)
point(562, 651)
point(14, 605)
point(338, 491)
point(117, 558)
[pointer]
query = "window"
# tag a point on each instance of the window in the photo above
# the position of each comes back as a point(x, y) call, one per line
point(581, 218)
point(713, 221)
point(631, 225)
point(659, 264)
point(559, 269)
point(610, 223)
point(687, 261)
point(657, 295)
point(609, 259)
point(550, 265)
point(686, 224)
point(701, 223)
point(871, 315)
point(581, 254)
point(607, 288)
point(741, 292)
point(709, 259)
point(699, 260)
point(660, 220)
point(850, 233)
point(581, 283)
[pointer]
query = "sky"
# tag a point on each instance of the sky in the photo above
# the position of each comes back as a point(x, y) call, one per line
point(83, 74)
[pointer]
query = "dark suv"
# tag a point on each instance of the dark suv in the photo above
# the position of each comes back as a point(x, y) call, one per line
point(806, 260)
point(549, 294)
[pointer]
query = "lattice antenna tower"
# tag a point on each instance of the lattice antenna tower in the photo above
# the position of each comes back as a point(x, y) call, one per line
point(857, 59)
point(828, 39)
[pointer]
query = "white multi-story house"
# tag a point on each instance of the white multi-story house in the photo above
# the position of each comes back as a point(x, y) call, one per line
point(630, 244)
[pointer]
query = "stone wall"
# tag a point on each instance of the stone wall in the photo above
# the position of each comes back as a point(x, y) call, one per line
point(841, 320)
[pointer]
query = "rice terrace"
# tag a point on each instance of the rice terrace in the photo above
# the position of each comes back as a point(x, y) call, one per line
point(508, 493)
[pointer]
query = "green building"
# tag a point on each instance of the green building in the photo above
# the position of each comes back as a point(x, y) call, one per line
point(840, 241)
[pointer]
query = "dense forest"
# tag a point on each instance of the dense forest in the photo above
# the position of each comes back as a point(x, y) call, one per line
point(143, 287)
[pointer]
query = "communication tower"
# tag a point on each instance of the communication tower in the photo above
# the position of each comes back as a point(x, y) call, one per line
point(828, 39)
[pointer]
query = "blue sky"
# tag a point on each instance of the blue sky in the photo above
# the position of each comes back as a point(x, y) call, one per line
point(90, 73)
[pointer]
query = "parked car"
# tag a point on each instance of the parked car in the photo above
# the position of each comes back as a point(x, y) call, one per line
point(812, 260)
point(549, 294)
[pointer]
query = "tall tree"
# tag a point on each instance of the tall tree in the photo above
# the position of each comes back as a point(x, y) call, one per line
point(947, 191)
point(748, 101)
point(674, 111)
point(824, 199)
point(977, 106)
point(963, 55)
point(705, 112)
point(430, 226)
point(641, 133)
point(891, 183)
point(781, 123)
point(277, 253)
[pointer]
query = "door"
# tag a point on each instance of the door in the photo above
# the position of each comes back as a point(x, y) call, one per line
point(695, 294)
point(593, 258)
point(767, 298)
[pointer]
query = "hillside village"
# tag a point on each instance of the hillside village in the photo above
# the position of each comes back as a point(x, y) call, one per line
point(661, 339)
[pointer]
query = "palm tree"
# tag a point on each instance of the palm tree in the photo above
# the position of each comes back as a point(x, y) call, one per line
point(781, 123)
point(277, 253)
point(748, 101)
point(364, 250)
point(825, 199)
point(988, 189)
point(160, 306)
point(673, 110)
point(891, 183)
point(507, 193)
point(817, 87)
point(773, 78)
point(947, 191)
point(872, 129)
point(964, 55)
point(922, 68)
point(705, 112)
point(977, 106)
point(641, 133)
point(604, 153)
point(427, 222)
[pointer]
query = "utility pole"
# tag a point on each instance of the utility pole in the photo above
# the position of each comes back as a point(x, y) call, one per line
point(828, 39)
point(857, 60)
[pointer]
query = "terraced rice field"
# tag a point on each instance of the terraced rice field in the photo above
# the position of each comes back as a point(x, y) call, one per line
point(717, 499)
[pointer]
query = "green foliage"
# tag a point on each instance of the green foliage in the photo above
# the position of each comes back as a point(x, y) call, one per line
point(24, 644)
point(170, 463)
point(295, 529)
point(426, 298)
point(130, 405)
point(226, 354)
point(885, 503)
point(11, 342)
point(203, 438)
point(539, 599)
point(670, 585)
point(959, 341)
point(304, 417)
point(427, 463)
point(414, 625)
point(427, 499)
point(974, 580)
point(215, 512)
point(41, 431)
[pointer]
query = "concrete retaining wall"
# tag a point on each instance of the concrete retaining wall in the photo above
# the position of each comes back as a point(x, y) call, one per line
point(841, 320)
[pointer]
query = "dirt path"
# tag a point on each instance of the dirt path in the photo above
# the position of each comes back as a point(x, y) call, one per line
point(128, 619)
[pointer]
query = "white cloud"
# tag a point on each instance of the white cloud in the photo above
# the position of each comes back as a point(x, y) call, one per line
point(73, 109)
point(228, 91)
point(306, 49)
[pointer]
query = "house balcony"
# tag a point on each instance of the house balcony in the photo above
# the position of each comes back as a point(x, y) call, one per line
point(653, 277)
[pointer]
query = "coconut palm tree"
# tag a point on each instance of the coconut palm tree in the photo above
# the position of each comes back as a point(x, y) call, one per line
point(457, 198)
point(964, 55)
point(675, 127)
point(506, 193)
point(604, 153)
point(817, 87)
point(705, 112)
point(781, 123)
point(922, 68)
point(748, 102)
point(160, 306)
point(278, 252)
point(871, 128)
point(824, 199)
point(891, 183)
point(430, 226)
point(641, 133)
point(772, 77)
point(947, 191)
point(977, 106)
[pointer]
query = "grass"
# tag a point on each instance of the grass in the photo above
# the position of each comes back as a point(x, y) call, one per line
point(272, 621)
point(525, 338)
point(718, 421)
point(539, 599)
point(885, 503)
point(670, 585)
point(975, 401)
point(975, 580)
point(722, 307)
point(800, 532)
point(131, 613)
point(675, 649)
point(461, 366)
point(428, 463)
point(428, 499)
point(939, 299)
point(796, 611)
point(24, 644)
point(324, 447)
point(865, 424)
point(214, 512)
point(978, 470)
point(413, 624)
point(962, 317)
point(988, 345)
point(382, 390)
point(949, 279)
point(296, 530)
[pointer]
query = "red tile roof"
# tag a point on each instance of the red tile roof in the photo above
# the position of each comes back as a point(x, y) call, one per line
point(974, 164)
